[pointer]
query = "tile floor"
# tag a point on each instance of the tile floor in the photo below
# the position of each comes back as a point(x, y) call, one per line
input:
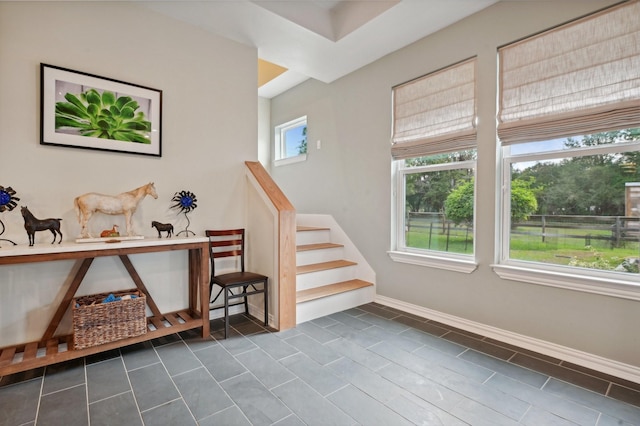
point(371, 365)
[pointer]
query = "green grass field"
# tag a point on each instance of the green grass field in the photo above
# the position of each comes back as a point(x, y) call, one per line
point(591, 248)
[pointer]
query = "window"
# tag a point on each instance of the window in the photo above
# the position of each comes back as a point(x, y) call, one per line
point(434, 154)
point(569, 126)
point(574, 201)
point(438, 194)
point(291, 142)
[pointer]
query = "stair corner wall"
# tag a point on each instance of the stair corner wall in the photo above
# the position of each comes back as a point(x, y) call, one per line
point(365, 271)
point(332, 274)
point(271, 243)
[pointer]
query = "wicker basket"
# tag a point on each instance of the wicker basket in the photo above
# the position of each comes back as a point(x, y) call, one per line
point(95, 323)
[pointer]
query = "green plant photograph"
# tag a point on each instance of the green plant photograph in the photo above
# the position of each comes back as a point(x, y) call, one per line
point(104, 116)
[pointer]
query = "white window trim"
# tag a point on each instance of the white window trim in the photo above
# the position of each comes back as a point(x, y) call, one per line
point(594, 281)
point(290, 160)
point(428, 258)
point(446, 261)
point(591, 283)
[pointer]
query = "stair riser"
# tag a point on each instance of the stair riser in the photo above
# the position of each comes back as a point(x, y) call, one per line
point(316, 279)
point(335, 289)
point(329, 305)
point(313, 237)
point(319, 256)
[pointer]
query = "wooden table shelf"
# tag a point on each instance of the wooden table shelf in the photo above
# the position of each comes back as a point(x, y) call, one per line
point(53, 348)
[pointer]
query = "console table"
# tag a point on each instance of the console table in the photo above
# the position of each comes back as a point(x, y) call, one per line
point(53, 348)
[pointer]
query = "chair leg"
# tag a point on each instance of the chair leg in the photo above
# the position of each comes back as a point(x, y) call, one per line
point(266, 303)
point(246, 300)
point(226, 312)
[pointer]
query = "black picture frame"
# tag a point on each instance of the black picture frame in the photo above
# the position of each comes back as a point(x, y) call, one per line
point(87, 111)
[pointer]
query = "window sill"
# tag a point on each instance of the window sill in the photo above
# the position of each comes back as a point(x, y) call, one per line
point(448, 263)
point(585, 283)
point(290, 160)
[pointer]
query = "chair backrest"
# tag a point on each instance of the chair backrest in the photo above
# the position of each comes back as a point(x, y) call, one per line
point(226, 243)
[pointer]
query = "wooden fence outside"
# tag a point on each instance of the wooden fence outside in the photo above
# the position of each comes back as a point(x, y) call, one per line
point(616, 230)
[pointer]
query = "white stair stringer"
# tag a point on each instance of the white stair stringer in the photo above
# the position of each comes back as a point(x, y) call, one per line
point(332, 274)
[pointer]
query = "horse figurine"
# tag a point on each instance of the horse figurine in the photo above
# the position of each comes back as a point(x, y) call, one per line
point(32, 224)
point(165, 227)
point(126, 203)
point(109, 233)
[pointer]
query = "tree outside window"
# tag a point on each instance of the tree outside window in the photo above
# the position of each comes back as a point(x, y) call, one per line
point(584, 215)
point(431, 183)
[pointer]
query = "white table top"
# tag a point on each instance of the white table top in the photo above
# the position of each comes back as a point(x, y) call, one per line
point(7, 250)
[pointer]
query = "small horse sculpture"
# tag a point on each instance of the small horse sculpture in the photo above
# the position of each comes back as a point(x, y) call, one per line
point(165, 227)
point(32, 224)
point(126, 203)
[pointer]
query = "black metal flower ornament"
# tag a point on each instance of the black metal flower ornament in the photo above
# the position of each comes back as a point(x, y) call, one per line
point(185, 202)
point(8, 201)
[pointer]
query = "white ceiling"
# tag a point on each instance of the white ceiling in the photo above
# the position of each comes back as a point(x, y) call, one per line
point(320, 39)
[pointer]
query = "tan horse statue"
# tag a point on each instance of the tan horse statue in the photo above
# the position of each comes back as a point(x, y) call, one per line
point(126, 204)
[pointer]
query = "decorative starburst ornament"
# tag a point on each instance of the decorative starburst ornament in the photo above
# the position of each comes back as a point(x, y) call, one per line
point(185, 202)
point(8, 201)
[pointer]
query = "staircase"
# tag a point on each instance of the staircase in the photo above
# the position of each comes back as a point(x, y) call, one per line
point(331, 275)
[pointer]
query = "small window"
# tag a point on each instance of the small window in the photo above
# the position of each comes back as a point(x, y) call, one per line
point(291, 142)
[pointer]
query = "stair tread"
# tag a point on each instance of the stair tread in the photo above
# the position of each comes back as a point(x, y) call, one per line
point(311, 228)
point(317, 246)
point(322, 266)
point(330, 290)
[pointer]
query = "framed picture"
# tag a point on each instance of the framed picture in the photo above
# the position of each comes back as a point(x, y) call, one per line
point(83, 110)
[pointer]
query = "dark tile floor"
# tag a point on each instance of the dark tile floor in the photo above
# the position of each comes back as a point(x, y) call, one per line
point(370, 366)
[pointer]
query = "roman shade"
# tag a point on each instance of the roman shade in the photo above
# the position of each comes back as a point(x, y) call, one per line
point(435, 113)
point(579, 78)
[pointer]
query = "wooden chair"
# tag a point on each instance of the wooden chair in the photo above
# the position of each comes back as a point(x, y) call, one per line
point(234, 285)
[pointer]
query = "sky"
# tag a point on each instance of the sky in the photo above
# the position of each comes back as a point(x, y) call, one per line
point(293, 138)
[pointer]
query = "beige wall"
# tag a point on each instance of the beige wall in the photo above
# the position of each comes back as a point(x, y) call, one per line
point(209, 130)
point(350, 178)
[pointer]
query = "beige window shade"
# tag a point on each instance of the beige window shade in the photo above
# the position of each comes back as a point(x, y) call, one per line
point(435, 113)
point(580, 78)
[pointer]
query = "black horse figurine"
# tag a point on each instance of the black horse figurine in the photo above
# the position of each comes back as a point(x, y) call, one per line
point(32, 224)
point(166, 227)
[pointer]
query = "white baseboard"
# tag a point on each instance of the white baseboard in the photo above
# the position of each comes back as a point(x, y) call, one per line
point(584, 359)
